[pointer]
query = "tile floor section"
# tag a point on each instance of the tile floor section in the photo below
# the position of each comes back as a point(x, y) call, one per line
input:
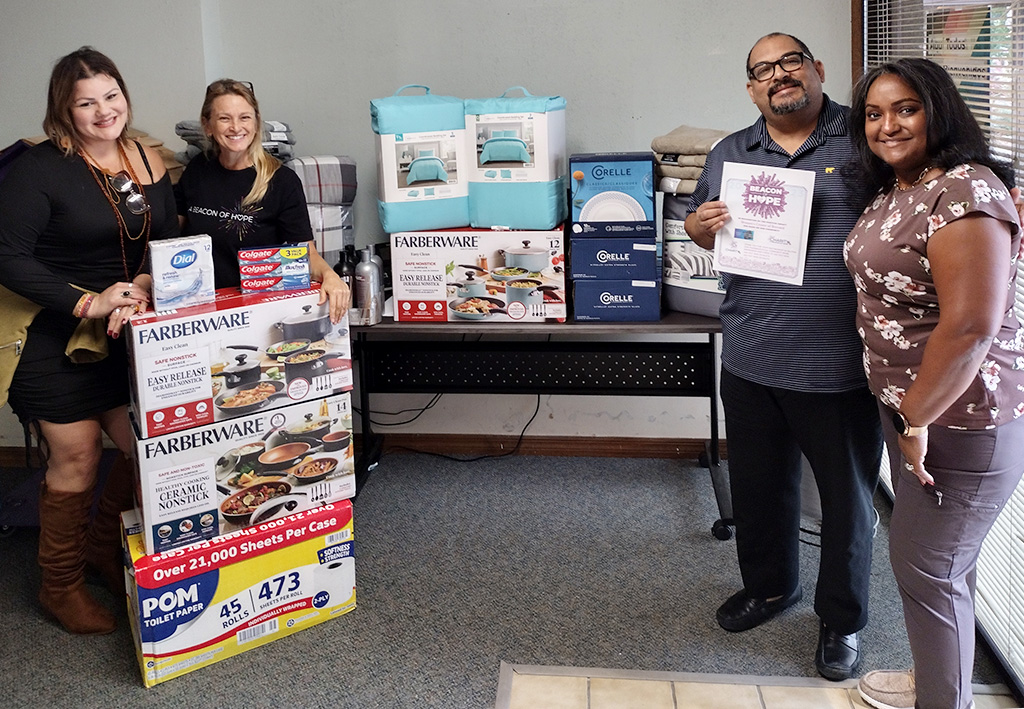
point(536, 687)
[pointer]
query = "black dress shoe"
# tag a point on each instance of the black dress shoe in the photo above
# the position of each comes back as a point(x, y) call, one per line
point(741, 612)
point(837, 655)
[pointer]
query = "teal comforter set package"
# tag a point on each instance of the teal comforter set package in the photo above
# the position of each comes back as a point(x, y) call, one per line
point(445, 162)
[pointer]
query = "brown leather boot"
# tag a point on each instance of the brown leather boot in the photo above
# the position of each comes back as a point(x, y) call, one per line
point(63, 518)
point(103, 542)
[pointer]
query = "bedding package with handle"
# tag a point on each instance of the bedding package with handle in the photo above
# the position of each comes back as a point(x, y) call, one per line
point(518, 176)
point(421, 161)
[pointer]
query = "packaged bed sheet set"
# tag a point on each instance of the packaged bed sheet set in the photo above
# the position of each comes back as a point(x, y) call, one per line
point(517, 178)
point(421, 161)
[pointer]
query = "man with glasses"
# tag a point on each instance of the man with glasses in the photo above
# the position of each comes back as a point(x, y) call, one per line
point(792, 377)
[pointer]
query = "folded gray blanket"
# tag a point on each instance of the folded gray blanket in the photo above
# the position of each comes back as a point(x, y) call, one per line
point(326, 179)
point(687, 140)
point(683, 173)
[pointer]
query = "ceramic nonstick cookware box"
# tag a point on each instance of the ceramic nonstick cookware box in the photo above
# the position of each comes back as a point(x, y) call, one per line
point(195, 485)
point(478, 275)
point(240, 355)
point(195, 606)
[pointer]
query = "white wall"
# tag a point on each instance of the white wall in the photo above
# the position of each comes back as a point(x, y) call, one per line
point(630, 70)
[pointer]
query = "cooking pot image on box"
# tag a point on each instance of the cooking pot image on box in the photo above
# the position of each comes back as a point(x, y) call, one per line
point(524, 290)
point(533, 259)
point(471, 285)
point(310, 429)
point(337, 441)
point(310, 363)
point(244, 370)
point(311, 324)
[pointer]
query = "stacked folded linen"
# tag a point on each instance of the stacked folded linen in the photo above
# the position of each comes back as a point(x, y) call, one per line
point(277, 139)
point(679, 157)
point(329, 183)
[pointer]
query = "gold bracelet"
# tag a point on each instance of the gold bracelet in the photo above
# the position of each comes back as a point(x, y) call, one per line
point(82, 306)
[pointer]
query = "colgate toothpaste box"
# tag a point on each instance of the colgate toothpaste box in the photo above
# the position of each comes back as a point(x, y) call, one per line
point(479, 275)
point(195, 485)
point(274, 268)
point(238, 355)
point(195, 606)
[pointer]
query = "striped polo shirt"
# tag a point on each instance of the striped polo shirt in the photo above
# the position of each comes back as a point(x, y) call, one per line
point(795, 337)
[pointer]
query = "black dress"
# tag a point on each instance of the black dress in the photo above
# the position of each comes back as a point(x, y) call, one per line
point(57, 228)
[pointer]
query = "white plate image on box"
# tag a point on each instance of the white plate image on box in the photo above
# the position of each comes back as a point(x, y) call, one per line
point(612, 207)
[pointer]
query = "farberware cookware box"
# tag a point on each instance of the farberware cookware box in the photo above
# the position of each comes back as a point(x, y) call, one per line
point(239, 355)
point(202, 604)
point(479, 275)
point(197, 484)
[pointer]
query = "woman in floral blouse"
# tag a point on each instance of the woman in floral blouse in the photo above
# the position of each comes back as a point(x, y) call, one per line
point(934, 259)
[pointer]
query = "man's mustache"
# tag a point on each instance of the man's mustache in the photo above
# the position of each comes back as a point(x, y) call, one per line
point(783, 84)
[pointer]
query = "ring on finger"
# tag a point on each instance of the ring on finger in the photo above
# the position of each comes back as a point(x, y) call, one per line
point(909, 466)
point(127, 293)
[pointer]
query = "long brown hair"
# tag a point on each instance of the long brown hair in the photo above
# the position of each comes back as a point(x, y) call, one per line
point(83, 63)
point(265, 163)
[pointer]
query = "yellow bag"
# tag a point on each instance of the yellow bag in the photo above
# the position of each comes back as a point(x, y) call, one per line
point(18, 315)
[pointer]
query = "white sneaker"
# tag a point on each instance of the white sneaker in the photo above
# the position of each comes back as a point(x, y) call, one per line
point(888, 689)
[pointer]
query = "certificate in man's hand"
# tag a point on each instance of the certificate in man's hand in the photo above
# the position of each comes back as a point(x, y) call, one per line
point(770, 216)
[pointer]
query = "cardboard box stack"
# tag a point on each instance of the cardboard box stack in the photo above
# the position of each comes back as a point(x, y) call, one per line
point(614, 258)
point(245, 463)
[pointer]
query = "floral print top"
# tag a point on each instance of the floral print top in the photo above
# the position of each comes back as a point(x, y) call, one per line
point(897, 306)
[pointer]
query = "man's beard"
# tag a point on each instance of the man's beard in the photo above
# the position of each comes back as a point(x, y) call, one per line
point(792, 106)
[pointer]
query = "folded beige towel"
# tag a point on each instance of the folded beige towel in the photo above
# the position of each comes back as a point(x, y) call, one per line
point(688, 140)
point(681, 159)
point(683, 173)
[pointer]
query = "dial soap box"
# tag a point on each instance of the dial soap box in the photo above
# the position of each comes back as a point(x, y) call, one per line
point(195, 606)
point(182, 272)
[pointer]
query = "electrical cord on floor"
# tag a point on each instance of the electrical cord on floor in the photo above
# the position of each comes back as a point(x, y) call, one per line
point(419, 412)
point(512, 451)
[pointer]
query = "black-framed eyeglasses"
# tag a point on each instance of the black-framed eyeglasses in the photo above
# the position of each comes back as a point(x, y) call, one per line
point(762, 71)
point(135, 201)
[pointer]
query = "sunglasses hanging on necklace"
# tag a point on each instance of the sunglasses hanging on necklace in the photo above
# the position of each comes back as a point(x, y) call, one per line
point(112, 186)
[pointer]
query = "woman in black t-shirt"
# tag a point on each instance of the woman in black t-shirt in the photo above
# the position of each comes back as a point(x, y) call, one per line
point(238, 194)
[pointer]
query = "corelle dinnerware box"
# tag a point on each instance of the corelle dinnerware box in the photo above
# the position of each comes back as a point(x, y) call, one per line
point(239, 355)
point(182, 271)
point(192, 607)
point(197, 484)
point(282, 267)
point(612, 194)
point(478, 275)
point(615, 258)
point(616, 301)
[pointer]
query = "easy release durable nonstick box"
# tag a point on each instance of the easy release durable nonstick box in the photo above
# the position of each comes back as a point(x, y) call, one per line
point(195, 485)
point(239, 355)
point(202, 604)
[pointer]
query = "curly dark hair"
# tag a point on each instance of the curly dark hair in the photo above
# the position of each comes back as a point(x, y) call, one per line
point(954, 136)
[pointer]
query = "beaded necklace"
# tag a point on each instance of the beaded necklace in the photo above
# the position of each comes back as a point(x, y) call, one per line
point(122, 228)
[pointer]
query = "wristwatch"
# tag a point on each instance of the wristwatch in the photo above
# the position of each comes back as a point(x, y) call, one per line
point(903, 426)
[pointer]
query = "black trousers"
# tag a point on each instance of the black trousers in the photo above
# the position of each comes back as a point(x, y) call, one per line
point(767, 428)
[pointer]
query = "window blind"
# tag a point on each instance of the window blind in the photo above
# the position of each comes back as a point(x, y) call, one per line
point(982, 47)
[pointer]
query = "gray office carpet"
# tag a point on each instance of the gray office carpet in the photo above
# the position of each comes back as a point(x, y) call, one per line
point(584, 562)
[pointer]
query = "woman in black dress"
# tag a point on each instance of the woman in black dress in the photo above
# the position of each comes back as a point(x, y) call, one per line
point(77, 213)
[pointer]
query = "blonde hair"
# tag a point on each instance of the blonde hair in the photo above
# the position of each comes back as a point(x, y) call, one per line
point(265, 163)
point(83, 63)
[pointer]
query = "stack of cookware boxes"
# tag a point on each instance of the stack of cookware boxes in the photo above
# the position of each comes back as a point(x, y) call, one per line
point(242, 533)
point(613, 246)
point(472, 193)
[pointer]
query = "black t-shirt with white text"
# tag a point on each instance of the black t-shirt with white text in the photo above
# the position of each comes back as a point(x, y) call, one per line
point(210, 198)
